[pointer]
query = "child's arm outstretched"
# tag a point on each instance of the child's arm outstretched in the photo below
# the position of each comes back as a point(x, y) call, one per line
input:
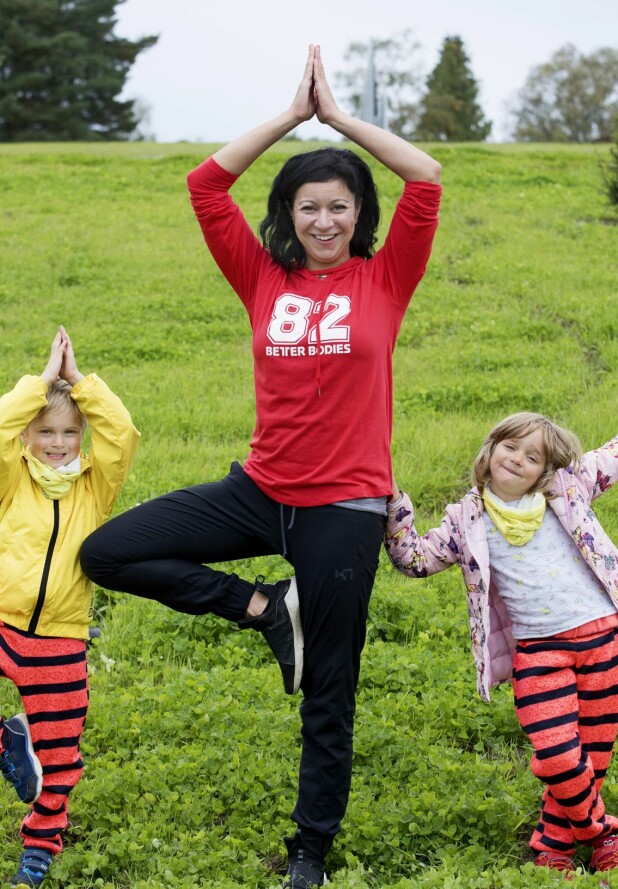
point(599, 468)
point(416, 555)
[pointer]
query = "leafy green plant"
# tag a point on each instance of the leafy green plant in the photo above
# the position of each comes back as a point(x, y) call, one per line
point(609, 171)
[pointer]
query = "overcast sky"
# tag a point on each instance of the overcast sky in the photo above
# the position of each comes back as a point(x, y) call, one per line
point(220, 68)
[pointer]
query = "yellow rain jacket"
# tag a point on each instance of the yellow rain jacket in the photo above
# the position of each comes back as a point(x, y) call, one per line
point(42, 587)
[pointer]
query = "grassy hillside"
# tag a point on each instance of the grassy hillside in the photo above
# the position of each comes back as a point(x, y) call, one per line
point(191, 746)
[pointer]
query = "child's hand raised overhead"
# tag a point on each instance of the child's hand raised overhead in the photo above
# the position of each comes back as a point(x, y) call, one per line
point(52, 370)
point(68, 368)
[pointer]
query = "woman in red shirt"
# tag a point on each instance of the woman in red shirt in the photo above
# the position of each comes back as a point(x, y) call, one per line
point(325, 310)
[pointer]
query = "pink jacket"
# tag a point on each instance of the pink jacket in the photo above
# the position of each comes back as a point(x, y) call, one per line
point(460, 539)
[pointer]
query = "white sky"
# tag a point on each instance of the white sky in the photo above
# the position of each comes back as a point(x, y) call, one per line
point(223, 66)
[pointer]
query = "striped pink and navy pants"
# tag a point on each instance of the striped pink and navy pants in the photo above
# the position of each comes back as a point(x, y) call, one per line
point(50, 675)
point(566, 700)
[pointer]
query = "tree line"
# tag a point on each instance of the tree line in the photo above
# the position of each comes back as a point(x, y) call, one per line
point(570, 98)
point(62, 69)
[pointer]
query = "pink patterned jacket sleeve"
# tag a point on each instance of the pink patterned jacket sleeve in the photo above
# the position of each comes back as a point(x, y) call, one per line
point(421, 556)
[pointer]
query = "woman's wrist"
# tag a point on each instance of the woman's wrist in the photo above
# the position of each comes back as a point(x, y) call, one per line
point(395, 500)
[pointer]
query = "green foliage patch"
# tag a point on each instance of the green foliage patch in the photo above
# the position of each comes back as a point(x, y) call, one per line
point(191, 746)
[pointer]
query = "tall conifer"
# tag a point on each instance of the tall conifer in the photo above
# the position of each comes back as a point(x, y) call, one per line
point(449, 109)
point(61, 69)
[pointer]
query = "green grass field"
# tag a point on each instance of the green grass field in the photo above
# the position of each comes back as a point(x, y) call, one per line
point(191, 746)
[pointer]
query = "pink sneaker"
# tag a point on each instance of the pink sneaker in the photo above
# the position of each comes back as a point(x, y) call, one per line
point(604, 854)
point(556, 861)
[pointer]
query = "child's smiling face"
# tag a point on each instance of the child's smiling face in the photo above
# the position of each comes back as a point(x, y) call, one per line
point(516, 465)
point(54, 437)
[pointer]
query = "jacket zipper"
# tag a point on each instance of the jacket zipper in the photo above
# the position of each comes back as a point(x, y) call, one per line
point(46, 568)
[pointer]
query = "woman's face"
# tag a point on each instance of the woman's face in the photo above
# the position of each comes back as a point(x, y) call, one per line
point(324, 215)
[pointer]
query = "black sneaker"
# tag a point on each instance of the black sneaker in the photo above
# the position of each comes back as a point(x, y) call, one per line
point(33, 867)
point(19, 764)
point(280, 626)
point(305, 875)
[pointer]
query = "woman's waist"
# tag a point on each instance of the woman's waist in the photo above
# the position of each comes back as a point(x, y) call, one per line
point(320, 486)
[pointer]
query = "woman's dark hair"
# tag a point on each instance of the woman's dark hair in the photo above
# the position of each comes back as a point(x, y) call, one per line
point(325, 164)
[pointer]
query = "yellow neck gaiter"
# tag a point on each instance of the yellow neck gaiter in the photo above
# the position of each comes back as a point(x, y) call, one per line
point(55, 483)
point(517, 524)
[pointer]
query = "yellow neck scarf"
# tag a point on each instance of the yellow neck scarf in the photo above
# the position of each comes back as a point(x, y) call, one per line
point(516, 523)
point(55, 483)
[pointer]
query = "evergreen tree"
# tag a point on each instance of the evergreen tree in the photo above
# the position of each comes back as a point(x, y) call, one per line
point(449, 110)
point(61, 67)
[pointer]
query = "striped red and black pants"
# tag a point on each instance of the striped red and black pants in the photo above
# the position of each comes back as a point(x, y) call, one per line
point(50, 675)
point(566, 700)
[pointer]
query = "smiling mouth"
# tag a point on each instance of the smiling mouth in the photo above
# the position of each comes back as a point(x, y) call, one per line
point(324, 238)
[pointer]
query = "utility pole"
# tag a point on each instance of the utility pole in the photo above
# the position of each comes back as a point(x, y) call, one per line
point(372, 107)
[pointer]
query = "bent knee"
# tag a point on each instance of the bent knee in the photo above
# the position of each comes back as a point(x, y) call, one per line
point(92, 558)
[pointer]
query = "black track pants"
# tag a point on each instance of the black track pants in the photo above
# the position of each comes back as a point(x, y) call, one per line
point(157, 551)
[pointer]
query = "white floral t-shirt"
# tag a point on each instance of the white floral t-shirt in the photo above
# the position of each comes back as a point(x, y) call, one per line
point(546, 584)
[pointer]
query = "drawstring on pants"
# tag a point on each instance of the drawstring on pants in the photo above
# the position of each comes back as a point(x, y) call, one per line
point(284, 544)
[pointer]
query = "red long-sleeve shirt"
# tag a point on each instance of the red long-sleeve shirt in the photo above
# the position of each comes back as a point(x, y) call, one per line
point(322, 346)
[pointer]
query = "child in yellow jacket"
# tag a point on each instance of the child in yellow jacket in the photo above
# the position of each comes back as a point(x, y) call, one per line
point(52, 496)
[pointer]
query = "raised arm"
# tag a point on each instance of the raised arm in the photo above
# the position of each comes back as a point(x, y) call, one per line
point(17, 408)
point(599, 468)
point(238, 155)
point(404, 159)
point(113, 439)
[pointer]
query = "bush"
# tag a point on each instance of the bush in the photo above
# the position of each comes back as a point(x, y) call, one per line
point(610, 175)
